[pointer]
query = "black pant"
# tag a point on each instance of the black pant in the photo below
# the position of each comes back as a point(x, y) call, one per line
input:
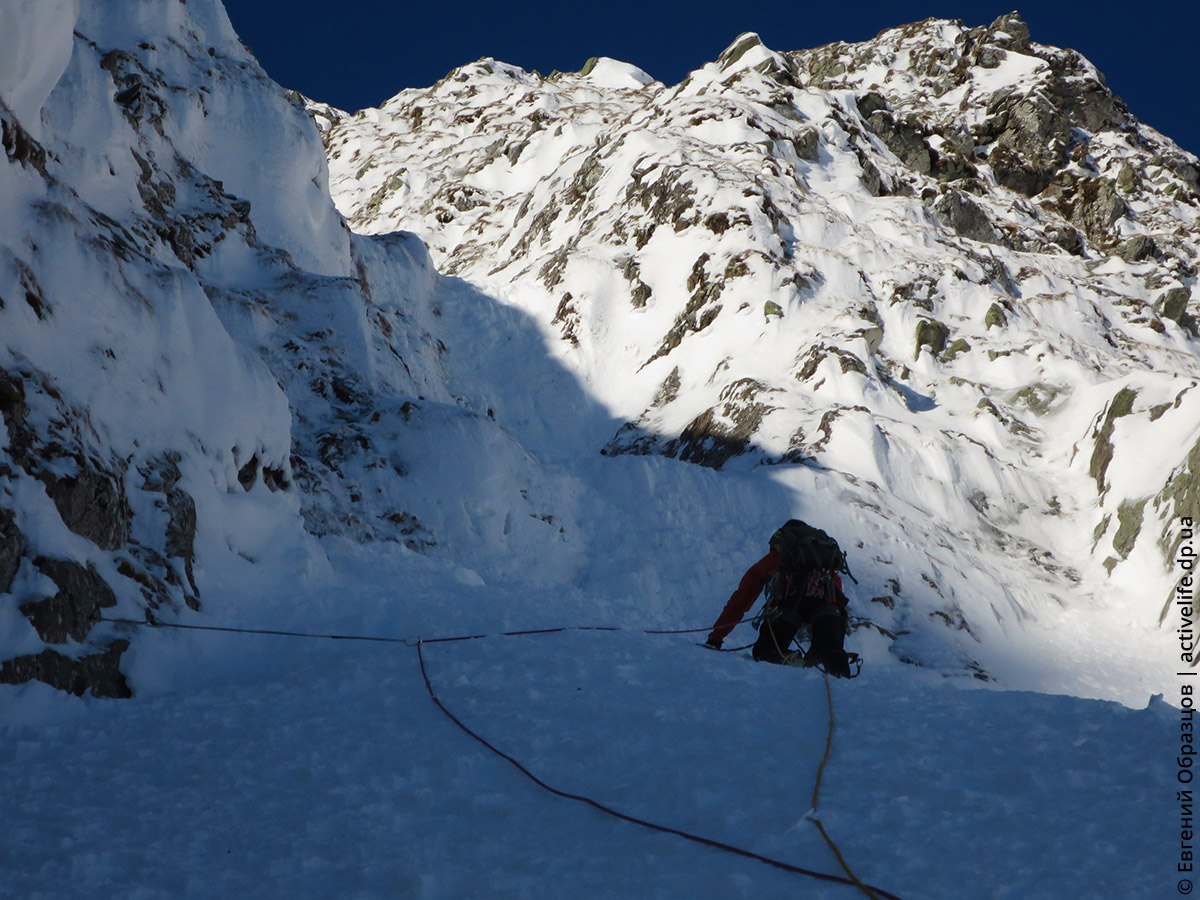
point(774, 638)
point(828, 627)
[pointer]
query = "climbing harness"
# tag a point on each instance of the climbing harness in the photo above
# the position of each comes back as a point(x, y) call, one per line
point(799, 658)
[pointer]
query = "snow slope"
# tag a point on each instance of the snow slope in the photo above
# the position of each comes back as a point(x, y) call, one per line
point(224, 409)
point(348, 782)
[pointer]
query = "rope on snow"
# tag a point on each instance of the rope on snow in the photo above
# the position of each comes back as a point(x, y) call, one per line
point(872, 892)
point(851, 879)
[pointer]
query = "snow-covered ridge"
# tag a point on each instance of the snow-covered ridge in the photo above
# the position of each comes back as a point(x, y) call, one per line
point(946, 268)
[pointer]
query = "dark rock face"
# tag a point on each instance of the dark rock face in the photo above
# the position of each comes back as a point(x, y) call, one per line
point(93, 505)
point(12, 548)
point(97, 673)
point(712, 438)
point(958, 211)
point(71, 612)
point(20, 147)
point(91, 502)
point(1102, 455)
point(1032, 142)
point(719, 434)
point(1092, 205)
point(163, 476)
point(15, 410)
point(932, 334)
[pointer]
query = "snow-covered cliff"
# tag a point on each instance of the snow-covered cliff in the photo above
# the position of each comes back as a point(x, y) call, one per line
point(171, 269)
point(933, 293)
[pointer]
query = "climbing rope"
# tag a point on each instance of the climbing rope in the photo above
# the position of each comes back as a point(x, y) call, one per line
point(850, 878)
point(873, 892)
point(870, 892)
point(408, 641)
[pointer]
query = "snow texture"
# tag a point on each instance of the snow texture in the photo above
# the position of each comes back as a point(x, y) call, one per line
point(590, 340)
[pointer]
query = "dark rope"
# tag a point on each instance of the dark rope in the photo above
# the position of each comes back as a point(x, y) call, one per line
point(579, 798)
point(299, 634)
point(388, 640)
point(729, 649)
point(871, 893)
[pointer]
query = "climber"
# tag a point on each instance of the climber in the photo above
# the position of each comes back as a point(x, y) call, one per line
point(804, 588)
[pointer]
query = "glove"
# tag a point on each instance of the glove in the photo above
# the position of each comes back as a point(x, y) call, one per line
point(713, 642)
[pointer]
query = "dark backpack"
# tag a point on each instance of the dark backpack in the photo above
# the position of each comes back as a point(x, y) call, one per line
point(802, 547)
point(808, 560)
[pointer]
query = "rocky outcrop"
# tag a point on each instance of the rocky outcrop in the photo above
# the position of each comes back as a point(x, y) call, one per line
point(12, 549)
point(75, 608)
point(1102, 455)
point(98, 674)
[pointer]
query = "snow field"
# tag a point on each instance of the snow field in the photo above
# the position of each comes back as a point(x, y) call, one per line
point(347, 781)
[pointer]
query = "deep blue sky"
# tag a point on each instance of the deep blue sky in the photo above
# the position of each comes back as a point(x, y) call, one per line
point(358, 53)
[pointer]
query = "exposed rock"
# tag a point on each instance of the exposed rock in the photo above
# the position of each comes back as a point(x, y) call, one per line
point(1039, 397)
point(12, 548)
point(721, 433)
point(1010, 31)
point(138, 90)
point(97, 673)
point(20, 147)
point(905, 139)
point(667, 199)
point(739, 48)
point(932, 334)
point(586, 178)
point(818, 353)
point(1128, 180)
point(1129, 519)
point(92, 504)
point(248, 474)
point(71, 612)
point(567, 318)
point(1091, 204)
point(1032, 140)
point(808, 144)
point(1122, 405)
point(701, 310)
point(958, 211)
point(1173, 304)
point(1180, 497)
point(640, 292)
point(1138, 248)
point(163, 476)
point(669, 389)
point(15, 410)
point(959, 346)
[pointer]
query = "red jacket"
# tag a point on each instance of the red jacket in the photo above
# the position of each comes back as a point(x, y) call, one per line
point(747, 592)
